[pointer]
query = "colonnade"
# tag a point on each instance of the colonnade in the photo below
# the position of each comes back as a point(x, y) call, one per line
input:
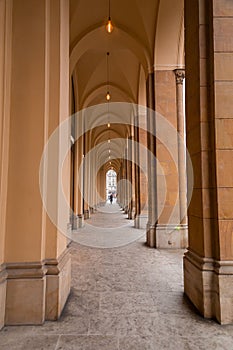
point(138, 178)
point(34, 100)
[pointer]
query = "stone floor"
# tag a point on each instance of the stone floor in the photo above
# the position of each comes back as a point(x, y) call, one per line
point(125, 298)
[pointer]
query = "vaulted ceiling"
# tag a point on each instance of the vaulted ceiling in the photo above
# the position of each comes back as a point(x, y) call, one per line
point(147, 33)
point(147, 36)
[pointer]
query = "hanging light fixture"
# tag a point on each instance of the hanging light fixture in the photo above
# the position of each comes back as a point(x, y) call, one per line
point(109, 26)
point(108, 96)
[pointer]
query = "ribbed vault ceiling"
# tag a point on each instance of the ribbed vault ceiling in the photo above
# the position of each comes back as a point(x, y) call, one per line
point(147, 35)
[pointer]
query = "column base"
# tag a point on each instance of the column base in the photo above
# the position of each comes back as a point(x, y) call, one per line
point(171, 236)
point(140, 221)
point(80, 221)
point(74, 222)
point(58, 280)
point(3, 277)
point(25, 294)
point(209, 285)
point(151, 235)
point(37, 291)
point(86, 214)
point(130, 215)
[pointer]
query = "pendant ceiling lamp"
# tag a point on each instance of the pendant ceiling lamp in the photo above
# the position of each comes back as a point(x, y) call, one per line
point(109, 26)
point(108, 96)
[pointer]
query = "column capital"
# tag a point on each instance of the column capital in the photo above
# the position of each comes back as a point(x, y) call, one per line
point(180, 75)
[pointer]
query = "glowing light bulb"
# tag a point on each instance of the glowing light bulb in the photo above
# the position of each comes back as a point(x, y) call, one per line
point(109, 151)
point(109, 26)
point(108, 96)
point(109, 125)
point(109, 141)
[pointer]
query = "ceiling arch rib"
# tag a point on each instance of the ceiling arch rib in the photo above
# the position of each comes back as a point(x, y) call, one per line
point(121, 40)
point(106, 134)
point(103, 156)
point(100, 91)
point(120, 113)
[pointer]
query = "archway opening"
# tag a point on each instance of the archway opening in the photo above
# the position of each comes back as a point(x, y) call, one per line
point(111, 185)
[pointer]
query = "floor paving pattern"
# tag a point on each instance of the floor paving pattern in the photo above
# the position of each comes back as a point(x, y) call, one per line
point(125, 298)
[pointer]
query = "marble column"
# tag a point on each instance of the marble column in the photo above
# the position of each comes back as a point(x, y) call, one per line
point(183, 229)
point(151, 145)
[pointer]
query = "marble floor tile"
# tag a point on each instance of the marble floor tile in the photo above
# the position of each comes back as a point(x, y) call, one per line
point(26, 342)
point(87, 343)
point(136, 343)
point(67, 324)
point(122, 325)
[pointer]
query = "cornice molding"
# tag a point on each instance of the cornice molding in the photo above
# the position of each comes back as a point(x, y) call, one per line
point(37, 269)
point(3, 273)
point(210, 264)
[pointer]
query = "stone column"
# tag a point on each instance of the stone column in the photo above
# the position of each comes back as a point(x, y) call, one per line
point(78, 168)
point(119, 187)
point(122, 186)
point(183, 229)
point(79, 183)
point(137, 173)
point(142, 169)
point(130, 178)
point(86, 176)
point(152, 186)
point(37, 263)
point(101, 186)
point(208, 264)
point(5, 85)
point(125, 186)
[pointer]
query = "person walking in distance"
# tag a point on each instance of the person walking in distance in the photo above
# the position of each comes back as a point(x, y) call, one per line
point(111, 198)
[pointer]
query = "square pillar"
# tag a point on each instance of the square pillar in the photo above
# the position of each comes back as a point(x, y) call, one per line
point(39, 84)
point(5, 77)
point(208, 264)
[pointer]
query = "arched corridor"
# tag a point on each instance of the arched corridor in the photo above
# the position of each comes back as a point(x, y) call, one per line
point(116, 185)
